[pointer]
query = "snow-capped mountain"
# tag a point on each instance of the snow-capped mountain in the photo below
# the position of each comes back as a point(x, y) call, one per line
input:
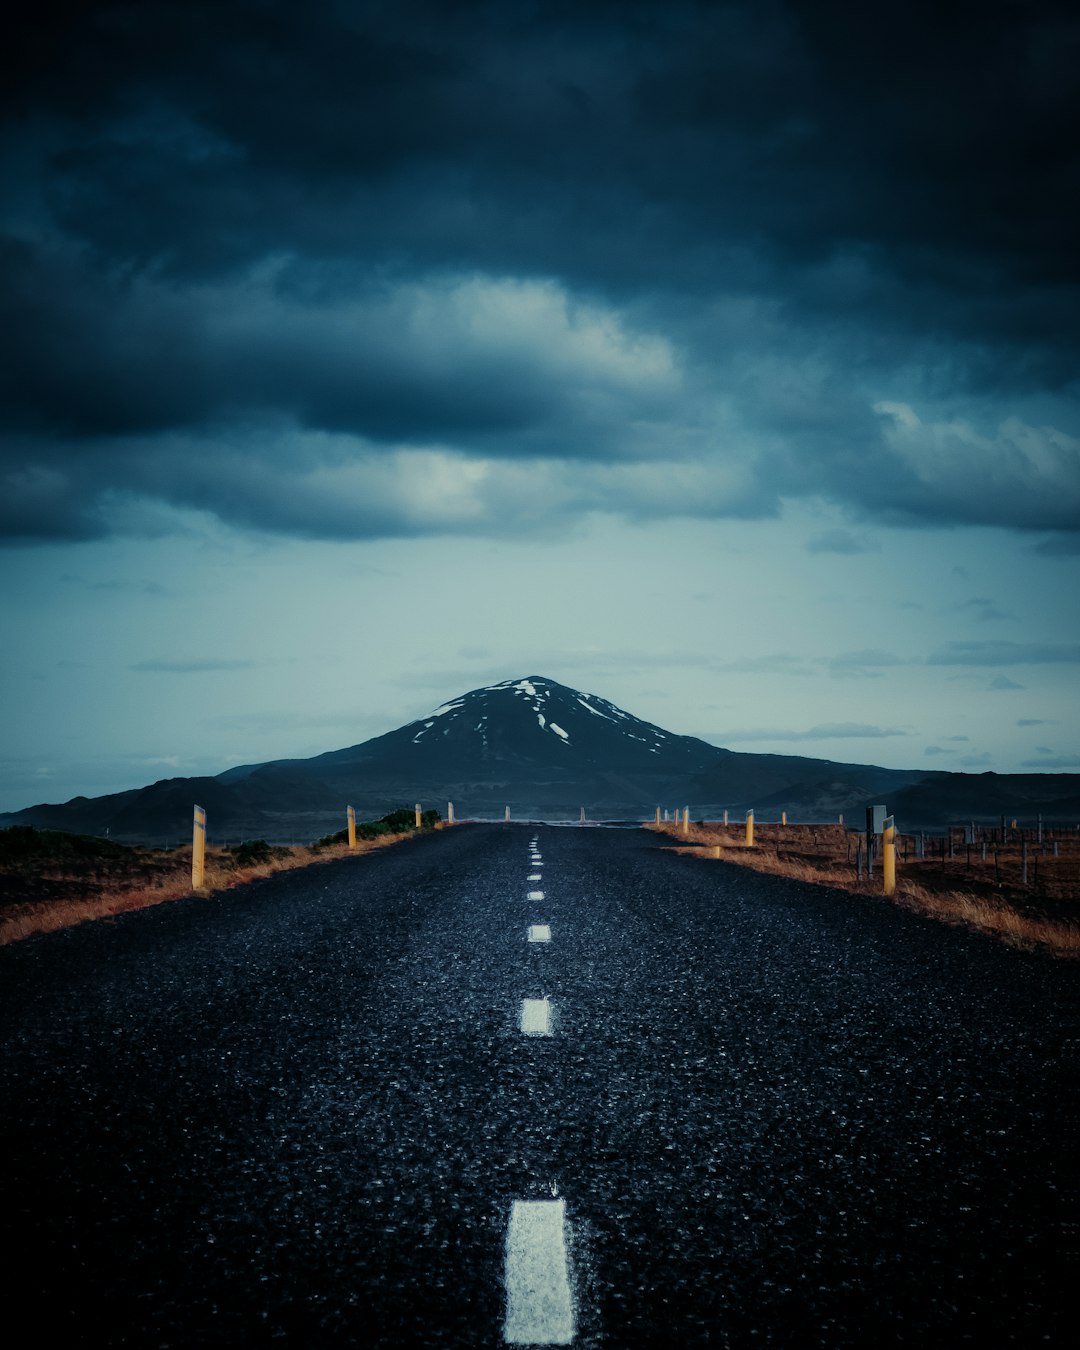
point(531, 723)
point(533, 744)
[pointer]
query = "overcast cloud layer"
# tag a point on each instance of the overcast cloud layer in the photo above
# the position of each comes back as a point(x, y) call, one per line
point(352, 271)
point(719, 359)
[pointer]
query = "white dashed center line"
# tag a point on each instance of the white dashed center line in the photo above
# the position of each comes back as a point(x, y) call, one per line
point(539, 932)
point(534, 876)
point(535, 895)
point(539, 1310)
point(536, 1017)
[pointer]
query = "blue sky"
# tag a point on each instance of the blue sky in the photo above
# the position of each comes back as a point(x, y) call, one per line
point(718, 360)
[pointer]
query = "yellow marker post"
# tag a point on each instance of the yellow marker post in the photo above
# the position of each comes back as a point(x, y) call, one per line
point(749, 829)
point(198, 850)
point(417, 815)
point(783, 817)
point(658, 815)
point(841, 817)
point(686, 820)
point(716, 851)
point(351, 813)
point(888, 857)
point(725, 818)
point(450, 813)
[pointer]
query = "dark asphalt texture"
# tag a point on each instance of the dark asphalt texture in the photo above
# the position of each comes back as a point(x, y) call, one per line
point(297, 1114)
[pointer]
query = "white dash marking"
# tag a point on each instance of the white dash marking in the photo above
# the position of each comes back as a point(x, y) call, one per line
point(536, 1017)
point(534, 876)
point(539, 932)
point(535, 895)
point(539, 1310)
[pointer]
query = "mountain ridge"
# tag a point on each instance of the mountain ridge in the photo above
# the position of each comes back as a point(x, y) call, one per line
point(545, 749)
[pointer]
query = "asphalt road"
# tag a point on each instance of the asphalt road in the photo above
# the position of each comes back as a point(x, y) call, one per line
point(301, 1114)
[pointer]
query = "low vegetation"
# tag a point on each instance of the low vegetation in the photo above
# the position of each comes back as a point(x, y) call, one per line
point(51, 880)
point(956, 885)
point(401, 821)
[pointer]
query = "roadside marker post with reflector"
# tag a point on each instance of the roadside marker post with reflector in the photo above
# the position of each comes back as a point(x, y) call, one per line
point(888, 857)
point(198, 850)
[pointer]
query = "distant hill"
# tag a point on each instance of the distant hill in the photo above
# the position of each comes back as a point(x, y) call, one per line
point(546, 750)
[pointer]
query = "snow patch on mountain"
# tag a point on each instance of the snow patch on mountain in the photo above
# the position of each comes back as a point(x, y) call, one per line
point(452, 706)
point(595, 711)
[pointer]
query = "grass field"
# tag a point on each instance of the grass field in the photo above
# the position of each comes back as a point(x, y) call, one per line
point(955, 885)
point(50, 880)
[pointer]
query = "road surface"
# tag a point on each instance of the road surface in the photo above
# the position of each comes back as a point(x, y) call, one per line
point(514, 1085)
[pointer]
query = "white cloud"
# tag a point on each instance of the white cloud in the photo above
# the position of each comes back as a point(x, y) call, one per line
point(1022, 475)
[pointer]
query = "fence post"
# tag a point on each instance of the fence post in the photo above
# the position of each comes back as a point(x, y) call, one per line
point(506, 816)
point(582, 820)
point(417, 815)
point(783, 817)
point(888, 857)
point(658, 815)
point(350, 814)
point(686, 820)
point(725, 818)
point(198, 850)
point(841, 818)
point(749, 829)
point(449, 813)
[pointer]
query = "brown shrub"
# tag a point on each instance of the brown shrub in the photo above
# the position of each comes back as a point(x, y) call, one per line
point(145, 883)
point(818, 854)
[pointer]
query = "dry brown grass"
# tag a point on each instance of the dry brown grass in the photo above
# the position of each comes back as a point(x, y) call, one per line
point(818, 854)
point(142, 885)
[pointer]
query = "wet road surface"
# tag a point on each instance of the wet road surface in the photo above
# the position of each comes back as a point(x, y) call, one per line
point(476, 1089)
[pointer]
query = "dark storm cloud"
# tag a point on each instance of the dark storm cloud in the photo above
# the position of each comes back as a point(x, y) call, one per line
point(841, 541)
point(865, 664)
point(1058, 546)
point(1050, 763)
point(800, 243)
point(983, 609)
point(190, 667)
point(822, 732)
point(1004, 654)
